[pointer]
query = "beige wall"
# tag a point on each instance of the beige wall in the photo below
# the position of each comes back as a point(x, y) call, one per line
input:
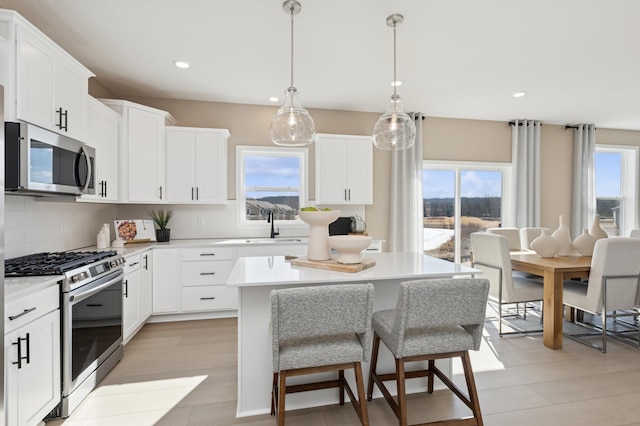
point(444, 139)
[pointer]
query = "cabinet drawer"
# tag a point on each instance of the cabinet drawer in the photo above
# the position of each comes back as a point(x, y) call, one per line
point(131, 263)
point(29, 308)
point(205, 273)
point(208, 298)
point(207, 253)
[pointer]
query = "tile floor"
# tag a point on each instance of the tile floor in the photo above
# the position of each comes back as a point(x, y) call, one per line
point(184, 373)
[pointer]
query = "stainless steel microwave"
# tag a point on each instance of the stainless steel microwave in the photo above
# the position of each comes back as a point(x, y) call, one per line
point(41, 162)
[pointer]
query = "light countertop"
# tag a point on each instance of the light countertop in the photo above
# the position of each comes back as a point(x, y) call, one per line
point(275, 270)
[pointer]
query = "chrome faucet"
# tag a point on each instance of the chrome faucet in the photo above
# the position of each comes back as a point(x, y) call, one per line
point(271, 220)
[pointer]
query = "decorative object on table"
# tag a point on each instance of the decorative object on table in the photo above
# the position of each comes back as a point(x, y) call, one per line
point(107, 233)
point(161, 218)
point(358, 225)
point(318, 221)
point(333, 265)
point(584, 243)
point(134, 230)
point(394, 130)
point(596, 231)
point(292, 125)
point(117, 243)
point(563, 236)
point(349, 247)
point(545, 245)
point(101, 240)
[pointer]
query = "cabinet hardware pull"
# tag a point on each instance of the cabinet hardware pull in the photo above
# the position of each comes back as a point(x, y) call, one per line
point(207, 273)
point(25, 312)
point(345, 194)
point(60, 116)
point(207, 298)
point(349, 194)
point(192, 193)
point(18, 343)
point(207, 254)
point(197, 193)
point(28, 358)
point(133, 264)
point(146, 262)
point(161, 192)
point(105, 188)
point(126, 288)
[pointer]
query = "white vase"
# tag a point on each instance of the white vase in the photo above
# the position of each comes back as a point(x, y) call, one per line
point(584, 243)
point(563, 236)
point(596, 231)
point(545, 245)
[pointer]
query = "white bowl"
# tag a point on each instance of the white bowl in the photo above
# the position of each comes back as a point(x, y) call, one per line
point(319, 217)
point(349, 247)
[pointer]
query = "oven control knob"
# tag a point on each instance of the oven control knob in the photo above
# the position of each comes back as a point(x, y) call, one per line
point(114, 263)
point(75, 278)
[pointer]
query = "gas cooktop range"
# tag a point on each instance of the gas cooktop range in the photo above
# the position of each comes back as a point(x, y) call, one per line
point(57, 263)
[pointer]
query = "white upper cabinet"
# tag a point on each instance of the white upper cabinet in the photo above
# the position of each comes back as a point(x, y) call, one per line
point(103, 127)
point(196, 165)
point(344, 169)
point(44, 85)
point(141, 151)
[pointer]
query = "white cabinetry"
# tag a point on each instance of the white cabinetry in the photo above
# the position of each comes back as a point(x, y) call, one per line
point(146, 282)
point(196, 165)
point(32, 357)
point(344, 169)
point(203, 277)
point(142, 151)
point(44, 84)
point(132, 297)
point(166, 289)
point(276, 249)
point(102, 134)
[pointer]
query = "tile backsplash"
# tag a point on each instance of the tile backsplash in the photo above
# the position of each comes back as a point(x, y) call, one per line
point(34, 224)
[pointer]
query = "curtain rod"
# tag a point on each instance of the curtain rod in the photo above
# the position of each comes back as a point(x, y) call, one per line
point(575, 127)
point(513, 123)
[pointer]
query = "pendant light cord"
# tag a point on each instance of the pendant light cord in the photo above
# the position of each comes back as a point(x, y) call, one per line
point(292, 10)
point(395, 80)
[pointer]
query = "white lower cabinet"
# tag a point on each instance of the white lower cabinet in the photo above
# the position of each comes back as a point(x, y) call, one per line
point(204, 272)
point(132, 298)
point(166, 289)
point(146, 283)
point(32, 357)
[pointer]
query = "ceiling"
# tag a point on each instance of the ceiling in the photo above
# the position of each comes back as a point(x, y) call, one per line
point(578, 60)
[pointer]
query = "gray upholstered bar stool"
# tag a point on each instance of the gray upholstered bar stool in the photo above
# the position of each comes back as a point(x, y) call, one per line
point(433, 319)
point(320, 329)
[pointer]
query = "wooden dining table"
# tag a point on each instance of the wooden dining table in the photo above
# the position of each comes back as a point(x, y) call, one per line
point(554, 271)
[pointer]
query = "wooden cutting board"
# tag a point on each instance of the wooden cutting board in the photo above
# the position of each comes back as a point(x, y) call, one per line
point(333, 265)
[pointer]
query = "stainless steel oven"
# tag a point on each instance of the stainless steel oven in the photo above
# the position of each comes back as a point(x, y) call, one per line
point(91, 336)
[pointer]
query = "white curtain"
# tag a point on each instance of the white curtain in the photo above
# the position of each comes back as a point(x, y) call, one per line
point(525, 158)
point(583, 202)
point(405, 200)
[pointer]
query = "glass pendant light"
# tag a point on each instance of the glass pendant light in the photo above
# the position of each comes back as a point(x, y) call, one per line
point(395, 130)
point(292, 125)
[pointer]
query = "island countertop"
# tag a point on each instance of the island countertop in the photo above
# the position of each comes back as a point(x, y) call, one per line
point(275, 270)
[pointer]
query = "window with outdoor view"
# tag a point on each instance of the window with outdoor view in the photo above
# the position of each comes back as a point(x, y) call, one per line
point(615, 188)
point(459, 199)
point(271, 179)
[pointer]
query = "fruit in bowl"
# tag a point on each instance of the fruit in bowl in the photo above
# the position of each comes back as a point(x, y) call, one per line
point(349, 247)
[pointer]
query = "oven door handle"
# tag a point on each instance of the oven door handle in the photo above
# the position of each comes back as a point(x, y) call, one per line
point(86, 294)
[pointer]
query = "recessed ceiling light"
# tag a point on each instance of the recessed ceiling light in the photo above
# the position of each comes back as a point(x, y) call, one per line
point(274, 99)
point(182, 64)
point(519, 94)
point(396, 83)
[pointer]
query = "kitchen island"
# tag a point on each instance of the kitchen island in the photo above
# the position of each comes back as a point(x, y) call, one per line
point(257, 276)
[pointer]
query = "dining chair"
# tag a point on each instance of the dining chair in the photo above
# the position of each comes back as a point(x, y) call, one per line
point(527, 235)
point(320, 329)
point(611, 291)
point(433, 319)
point(512, 234)
point(491, 256)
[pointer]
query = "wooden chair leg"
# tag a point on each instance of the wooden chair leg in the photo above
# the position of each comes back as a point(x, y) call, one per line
point(282, 391)
point(431, 376)
point(373, 364)
point(362, 402)
point(274, 394)
point(402, 400)
point(341, 385)
point(471, 387)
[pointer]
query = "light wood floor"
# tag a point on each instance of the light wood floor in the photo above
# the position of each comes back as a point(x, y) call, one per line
point(184, 373)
